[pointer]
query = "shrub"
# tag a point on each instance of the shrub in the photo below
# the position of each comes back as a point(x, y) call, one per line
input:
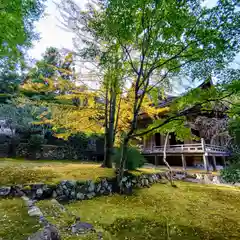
point(35, 142)
point(34, 145)
point(231, 174)
point(134, 158)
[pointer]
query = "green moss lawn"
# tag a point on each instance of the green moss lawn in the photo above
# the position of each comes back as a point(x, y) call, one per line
point(190, 211)
point(19, 171)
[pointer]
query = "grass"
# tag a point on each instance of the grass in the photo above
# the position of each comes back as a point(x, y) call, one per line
point(190, 211)
point(25, 172)
point(20, 171)
point(14, 221)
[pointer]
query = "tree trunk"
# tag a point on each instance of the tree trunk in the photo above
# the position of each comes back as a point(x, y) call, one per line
point(111, 125)
point(107, 160)
point(122, 163)
point(165, 160)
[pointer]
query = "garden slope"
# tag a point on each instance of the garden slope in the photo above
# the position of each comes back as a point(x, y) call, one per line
point(190, 211)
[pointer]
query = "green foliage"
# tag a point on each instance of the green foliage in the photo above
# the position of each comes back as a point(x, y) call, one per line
point(21, 114)
point(231, 174)
point(17, 20)
point(52, 64)
point(35, 141)
point(134, 159)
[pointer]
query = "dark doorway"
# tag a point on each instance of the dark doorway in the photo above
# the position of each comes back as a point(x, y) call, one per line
point(157, 139)
point(173, 140)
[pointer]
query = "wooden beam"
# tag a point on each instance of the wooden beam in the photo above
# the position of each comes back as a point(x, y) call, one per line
point(205, 155)
point(224, 161)
point(205, 161)
point(214, 164)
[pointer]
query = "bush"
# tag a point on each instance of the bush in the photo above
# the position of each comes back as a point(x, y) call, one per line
point(35, 141)
point(34, 145)
point(134, 158)
point(231, 174)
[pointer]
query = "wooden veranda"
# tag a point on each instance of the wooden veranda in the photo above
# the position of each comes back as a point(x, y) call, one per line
point(183, 150)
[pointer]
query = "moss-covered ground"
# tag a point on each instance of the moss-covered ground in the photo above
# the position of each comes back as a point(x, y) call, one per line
point(19, 171)
point(190, 211)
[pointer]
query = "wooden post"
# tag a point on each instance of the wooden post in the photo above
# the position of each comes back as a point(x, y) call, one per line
point(184, 163)
point(205, 156)
point(214, 164)
point(224, 161)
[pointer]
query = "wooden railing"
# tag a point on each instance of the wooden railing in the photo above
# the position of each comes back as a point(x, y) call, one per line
point(186, 148)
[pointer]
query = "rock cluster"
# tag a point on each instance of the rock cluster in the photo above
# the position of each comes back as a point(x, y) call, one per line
point(145, 180)
point(49, 231)
point(79, 190)
point(199, 177)
point(76, 190)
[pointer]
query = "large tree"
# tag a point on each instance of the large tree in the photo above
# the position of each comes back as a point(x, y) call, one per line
point(163, 38)
point(17, 32)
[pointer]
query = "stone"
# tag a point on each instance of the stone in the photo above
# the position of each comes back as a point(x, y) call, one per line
point(49, 232)
point(91, 195)
point(34, 211)
point(60, 206)
point(91, 187)
point(98, 188)
point(134, 181)
point(109, 188)
point(66, 192)
point(104, 183)
point(81, 227)
point(25, 198)
point(54, 194)
point(146, 182)
point(128, 184)
point(199, 176)
point(71, 184)
point(39, 192)
point(179, 176)
point(73, 194)
point(5, 191)
point(216, 180)
point(124, 179)
point(150, 179)
point(59, 191)
point(80, 196)
point(207, 179)
point(30, 203)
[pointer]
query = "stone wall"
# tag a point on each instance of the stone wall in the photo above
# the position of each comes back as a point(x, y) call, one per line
point(80, 190)
point(54, 152)
point(69, 190)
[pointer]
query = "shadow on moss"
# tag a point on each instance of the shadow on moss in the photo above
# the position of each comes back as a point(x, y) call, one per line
point(142, 229)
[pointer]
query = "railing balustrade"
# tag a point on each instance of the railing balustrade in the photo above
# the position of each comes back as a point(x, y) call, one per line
point(185, 148)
